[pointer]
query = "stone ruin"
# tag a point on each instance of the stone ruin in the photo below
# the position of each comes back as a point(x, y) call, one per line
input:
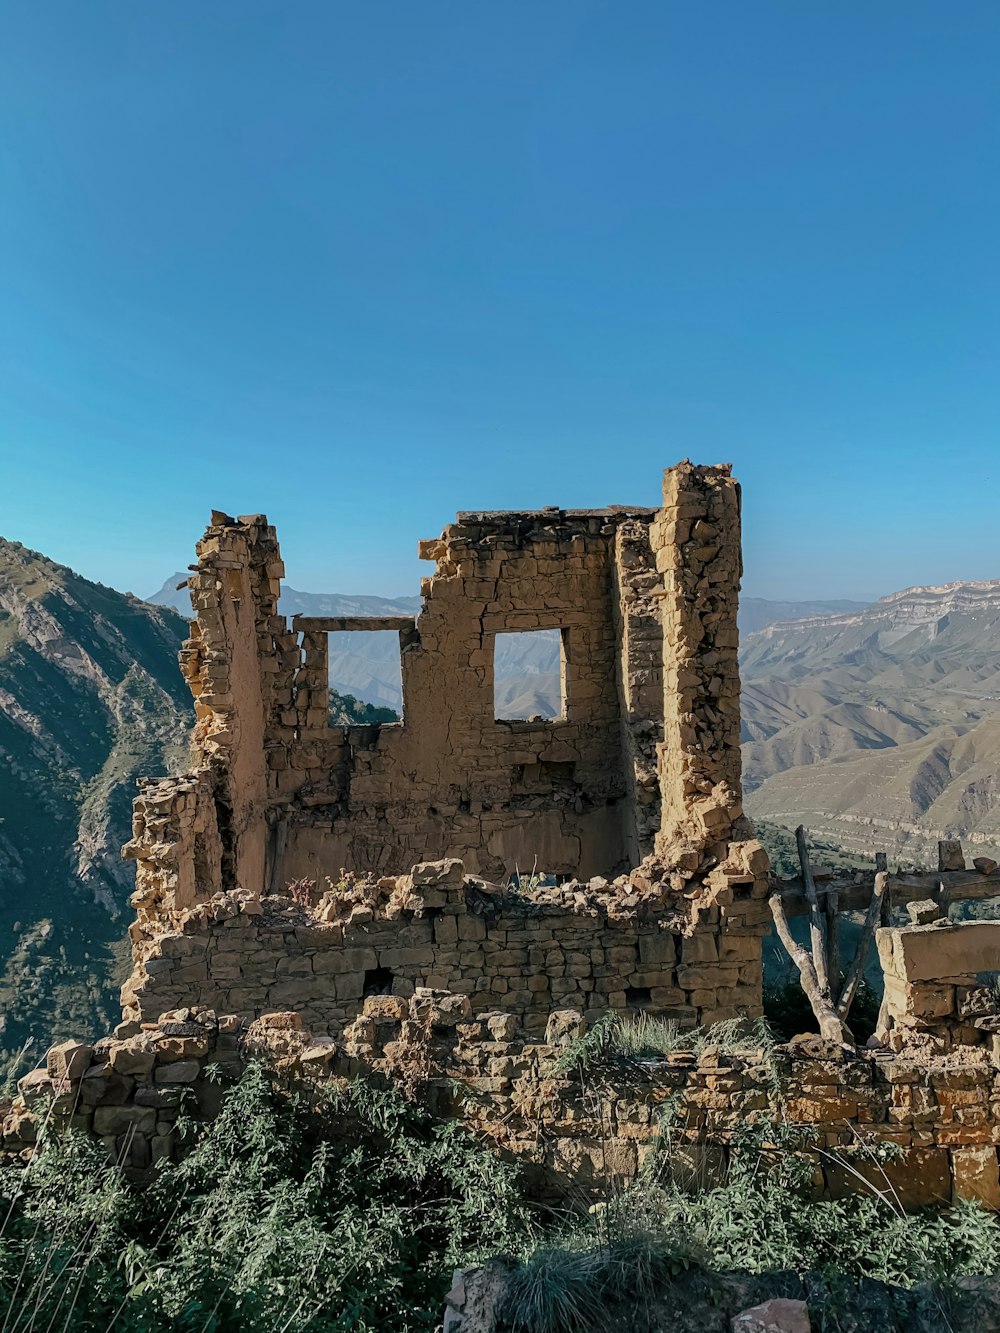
point(635, 788)
point(341, 899)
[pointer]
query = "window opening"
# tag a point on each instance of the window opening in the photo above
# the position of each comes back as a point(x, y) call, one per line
point(529, 676)
point(366, 678)
point(527, 880)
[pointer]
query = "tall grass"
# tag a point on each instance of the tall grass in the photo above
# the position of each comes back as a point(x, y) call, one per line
point(648, 1037)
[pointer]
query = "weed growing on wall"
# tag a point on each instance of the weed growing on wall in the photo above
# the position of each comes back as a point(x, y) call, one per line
point(665, 1237)
point(616, 1037)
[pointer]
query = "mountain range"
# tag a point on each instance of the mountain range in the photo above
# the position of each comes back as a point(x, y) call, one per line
point(880, 728)
point(526, 664)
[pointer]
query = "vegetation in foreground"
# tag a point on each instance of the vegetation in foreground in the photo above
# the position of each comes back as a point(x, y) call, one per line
point(272, 1223)
point(351, 1219)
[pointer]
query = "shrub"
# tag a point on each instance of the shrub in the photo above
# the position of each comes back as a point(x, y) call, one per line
point(281, 1217)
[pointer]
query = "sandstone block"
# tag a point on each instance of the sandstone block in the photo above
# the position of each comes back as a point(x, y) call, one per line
point(181, 1071)
point(115, 1120)
point(70, 1059)
point(976, 1174)
point(563, 1027)
point(932, 953)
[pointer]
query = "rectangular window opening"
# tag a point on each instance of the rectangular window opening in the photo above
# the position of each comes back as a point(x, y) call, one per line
point(529, 676)
point(365, 678)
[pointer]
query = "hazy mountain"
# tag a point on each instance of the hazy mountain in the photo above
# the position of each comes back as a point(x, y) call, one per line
point(526, 665)
point(756, 612)
point(295, 603)
point(90, 697)
point(880, 727)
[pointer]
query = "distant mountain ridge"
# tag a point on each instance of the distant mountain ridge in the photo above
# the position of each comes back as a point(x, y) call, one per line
point(880, 728)
point(527, 665)
point(756, 613)
point(295, 603)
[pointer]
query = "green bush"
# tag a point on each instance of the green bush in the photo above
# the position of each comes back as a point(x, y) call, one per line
point(280, 1218)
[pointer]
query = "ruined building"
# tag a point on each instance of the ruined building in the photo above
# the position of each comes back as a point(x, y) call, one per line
point(632, 794)
point(340, 900)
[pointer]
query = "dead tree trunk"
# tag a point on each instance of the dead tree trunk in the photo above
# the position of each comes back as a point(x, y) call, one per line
point(831, 1025)
point(819, 965)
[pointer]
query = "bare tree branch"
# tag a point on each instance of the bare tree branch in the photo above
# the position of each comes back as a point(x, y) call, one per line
point(830, 1024)
point(817, 929)
point(872, 918)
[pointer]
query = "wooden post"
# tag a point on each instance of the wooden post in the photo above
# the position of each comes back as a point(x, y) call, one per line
point(831, 901)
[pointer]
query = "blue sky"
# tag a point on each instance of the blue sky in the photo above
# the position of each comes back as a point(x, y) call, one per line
point(362, 265)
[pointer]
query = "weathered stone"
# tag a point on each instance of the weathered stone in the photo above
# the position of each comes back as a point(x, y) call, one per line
point(976, 1174)
point(70, 1059)
point(182, 1071)
point(924, 911)
point(114, 1120)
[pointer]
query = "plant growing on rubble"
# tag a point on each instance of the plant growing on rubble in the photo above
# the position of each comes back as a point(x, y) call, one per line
point(617, 1037)
point(302, 892)
point(637, 1260)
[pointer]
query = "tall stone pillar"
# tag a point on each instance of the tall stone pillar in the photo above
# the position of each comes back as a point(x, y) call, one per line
point(696, 540)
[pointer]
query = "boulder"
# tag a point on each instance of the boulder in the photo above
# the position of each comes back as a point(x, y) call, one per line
point(564, 1026)
point(450, 871)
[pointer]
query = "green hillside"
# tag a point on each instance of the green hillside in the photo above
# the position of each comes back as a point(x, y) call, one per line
point(90, 698)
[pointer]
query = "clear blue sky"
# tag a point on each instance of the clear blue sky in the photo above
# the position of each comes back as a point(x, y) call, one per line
point(361, 265)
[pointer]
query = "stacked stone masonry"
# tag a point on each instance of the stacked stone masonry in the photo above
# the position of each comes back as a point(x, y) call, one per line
point(941, 985)
point(576, 1137)
point(636, 945)
point(635, 788)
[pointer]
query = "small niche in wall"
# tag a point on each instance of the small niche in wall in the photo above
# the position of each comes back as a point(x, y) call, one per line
point(366, 681)
point(529, 676)
point(526, 880)
point(378, 981)
point(638, 997)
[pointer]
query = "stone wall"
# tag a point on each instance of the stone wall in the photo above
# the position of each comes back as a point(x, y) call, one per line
point(577, 1136)
point(941, 984)
point(635, 789)
point(635, 945)
point(586, 1132)
point(645, 603)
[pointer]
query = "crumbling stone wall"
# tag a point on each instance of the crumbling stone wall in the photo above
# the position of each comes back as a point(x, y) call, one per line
point(584, 1134)
point(576, 1138)
point(635, 945)
point(941, 985)
point(645, 602)
point(638, 779)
